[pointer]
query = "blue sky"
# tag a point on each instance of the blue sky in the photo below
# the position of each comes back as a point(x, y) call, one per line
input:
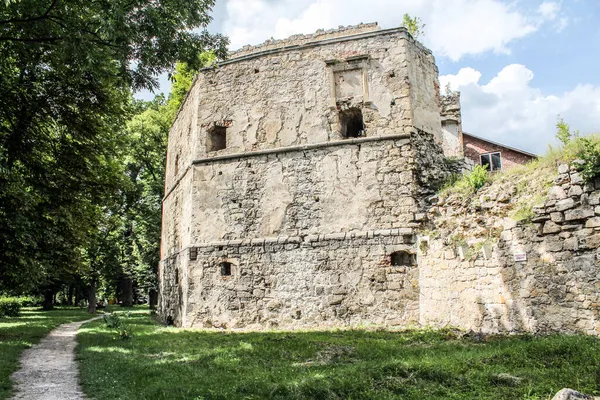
point(518, 64)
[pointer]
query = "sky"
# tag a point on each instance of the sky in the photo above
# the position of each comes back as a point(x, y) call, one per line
point(518, 64)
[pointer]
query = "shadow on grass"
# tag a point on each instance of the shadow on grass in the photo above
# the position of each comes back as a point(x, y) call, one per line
point(161, 363)
point(20, 333)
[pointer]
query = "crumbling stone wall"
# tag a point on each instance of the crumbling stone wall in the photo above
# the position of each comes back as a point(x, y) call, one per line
point(304, 160)
point(311, 230)
point(293, 95)
point(542, 276)
point(452, 135)
point(304, 282)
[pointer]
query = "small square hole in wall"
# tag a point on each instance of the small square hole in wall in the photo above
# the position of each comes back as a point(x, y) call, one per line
point(193, 253)
point(403, 259)
point(351, 123)
point(217, 138)
point(225, 268)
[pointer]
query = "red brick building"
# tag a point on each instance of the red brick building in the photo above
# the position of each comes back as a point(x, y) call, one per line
point(495, 155)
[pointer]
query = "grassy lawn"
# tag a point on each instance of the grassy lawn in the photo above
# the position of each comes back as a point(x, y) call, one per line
point(18, 334)
point(169, 363)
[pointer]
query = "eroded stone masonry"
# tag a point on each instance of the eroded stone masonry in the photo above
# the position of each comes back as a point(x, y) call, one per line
point(298, 174)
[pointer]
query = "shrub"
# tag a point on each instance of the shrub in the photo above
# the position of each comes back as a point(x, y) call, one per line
point(111, 320)
point(590, 154)
point(477, 178)
point(9, 307)
point(115, 322)
point(29, 301)
point(466, 184)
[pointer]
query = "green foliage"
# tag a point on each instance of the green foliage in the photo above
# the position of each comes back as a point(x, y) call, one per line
point(466, 184)
point(9, 307)
point(524, 213)
point(339, 364)
point(563, 132)
point(111, 320)
point(590, 155)
point(115, 322)
point(18, 334)
point(70, 169)
point(413, 25)
point(477, 178)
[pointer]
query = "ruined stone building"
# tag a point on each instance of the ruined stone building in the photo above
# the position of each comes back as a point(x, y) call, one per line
point(296, 180)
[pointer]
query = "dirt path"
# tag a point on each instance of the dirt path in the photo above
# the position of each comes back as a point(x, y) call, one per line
point(48, 369)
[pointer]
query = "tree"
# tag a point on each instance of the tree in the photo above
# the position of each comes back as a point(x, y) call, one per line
point(563, 131)
point(67, 68)
point(414, 25)
point(145, 168)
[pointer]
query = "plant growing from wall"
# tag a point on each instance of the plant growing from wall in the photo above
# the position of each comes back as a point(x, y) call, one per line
point(477, 178)
point(413, 25)
point(590, 154)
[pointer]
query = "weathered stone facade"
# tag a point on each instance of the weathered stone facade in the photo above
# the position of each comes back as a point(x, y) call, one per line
point(452, 134)
point(295, 180)
point(297, 186)
point(504, 276)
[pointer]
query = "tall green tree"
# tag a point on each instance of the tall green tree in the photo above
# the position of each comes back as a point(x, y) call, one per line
point(67, 68)
point(145, 168)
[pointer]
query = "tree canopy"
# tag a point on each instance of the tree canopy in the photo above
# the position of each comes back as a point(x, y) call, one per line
point(72, 168)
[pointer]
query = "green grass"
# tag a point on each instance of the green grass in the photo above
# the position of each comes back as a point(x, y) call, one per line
point(170, 363)
point(18, 334)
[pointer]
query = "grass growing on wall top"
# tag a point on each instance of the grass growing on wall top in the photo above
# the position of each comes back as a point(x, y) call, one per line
point(170, 363)
point(527, 184)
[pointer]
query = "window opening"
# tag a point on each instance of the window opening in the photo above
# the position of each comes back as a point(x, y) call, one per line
point(217, 138)
point(225, 268)
point(176, 165)
point(402, 259)
point(351, 123)
point(491, 161)
point(193, 253)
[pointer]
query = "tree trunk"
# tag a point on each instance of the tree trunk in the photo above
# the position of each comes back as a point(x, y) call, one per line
point(127, 286)
point(48, 303)
point(70, 295)
point(92, 298)
point(153, 298)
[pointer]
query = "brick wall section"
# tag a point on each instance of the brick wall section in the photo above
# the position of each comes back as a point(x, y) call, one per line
point(473, 147)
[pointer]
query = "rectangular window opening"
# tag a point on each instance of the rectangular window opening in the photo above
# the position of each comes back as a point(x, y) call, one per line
point(351, 123)
point(225, 268)
point(402, 258)
point(193, 253)
point(217, 138)
point(491, 161)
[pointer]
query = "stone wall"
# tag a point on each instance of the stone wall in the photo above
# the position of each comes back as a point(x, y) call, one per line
point(294, 96)
point(452, 135)
point(309, 235)
point(301, 282)
point(480, 270)
point(298, 40)
point(275, 217)
point(332, 136)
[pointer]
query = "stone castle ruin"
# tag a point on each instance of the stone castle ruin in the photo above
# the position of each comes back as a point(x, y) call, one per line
point(296, 186)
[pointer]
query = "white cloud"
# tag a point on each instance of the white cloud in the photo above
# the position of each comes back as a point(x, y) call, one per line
point(510, 110)
point(549, 10)
point(454, 28)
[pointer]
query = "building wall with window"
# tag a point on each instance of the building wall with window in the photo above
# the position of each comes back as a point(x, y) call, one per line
point(474, 148)
point(296, 174)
